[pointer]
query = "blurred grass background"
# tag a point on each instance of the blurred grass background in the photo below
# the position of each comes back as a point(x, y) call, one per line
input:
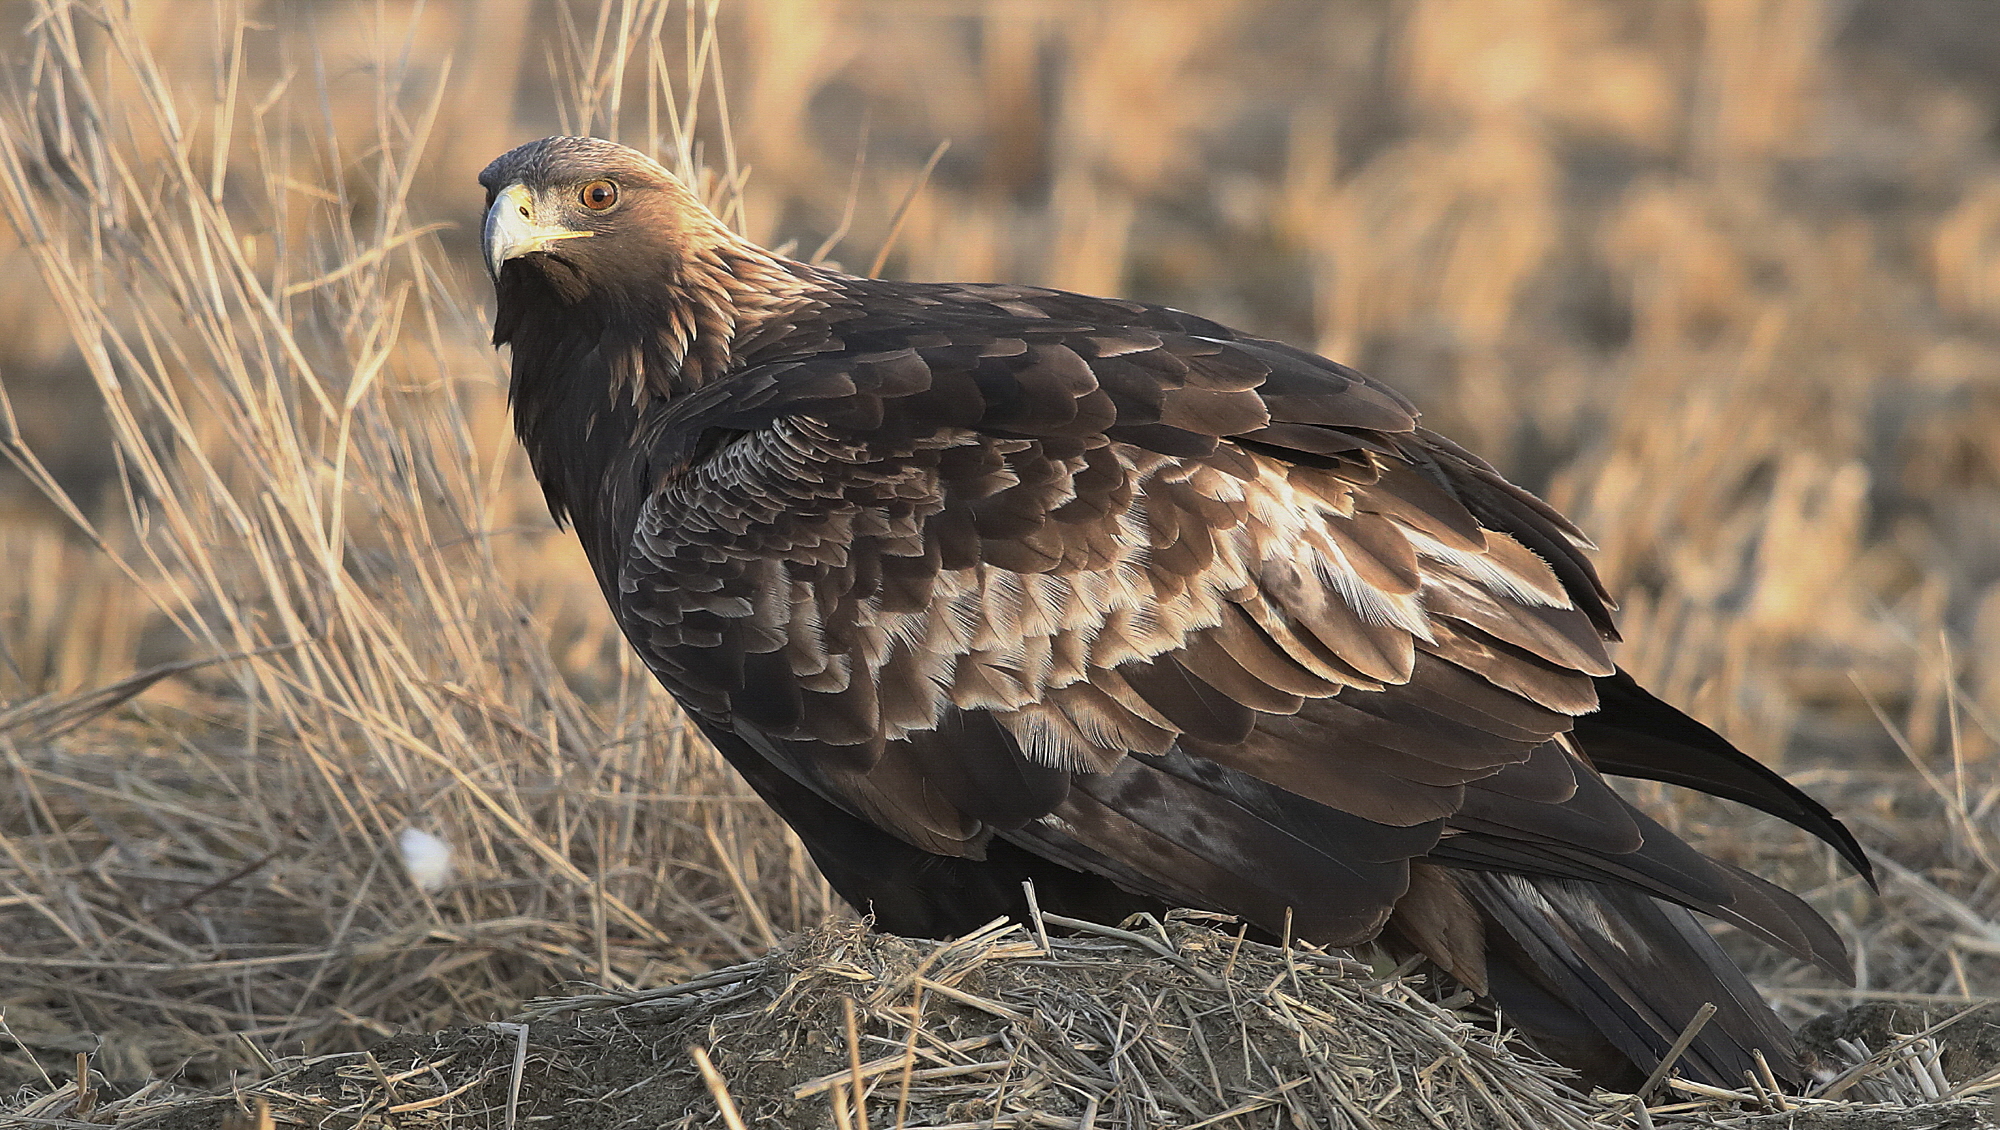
point(1720, 278)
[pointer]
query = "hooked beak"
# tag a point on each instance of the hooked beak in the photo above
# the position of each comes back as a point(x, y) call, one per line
point(511, 229)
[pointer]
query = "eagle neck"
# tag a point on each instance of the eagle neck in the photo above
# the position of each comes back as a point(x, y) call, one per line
point(727, 290)
point(586, 377)
point(573, 407)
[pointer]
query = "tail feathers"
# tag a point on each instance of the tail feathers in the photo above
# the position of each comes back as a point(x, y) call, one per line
point(1667, 868)
point(1606, 978)
point(1633, 734)
point(1596, 836)
point(1786, 921)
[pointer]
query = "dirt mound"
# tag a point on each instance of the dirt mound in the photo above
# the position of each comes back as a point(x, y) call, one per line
point(1173, 1024)
point(1169, 1025)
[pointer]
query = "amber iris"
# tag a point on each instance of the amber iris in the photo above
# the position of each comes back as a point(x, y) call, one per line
point(599, 195)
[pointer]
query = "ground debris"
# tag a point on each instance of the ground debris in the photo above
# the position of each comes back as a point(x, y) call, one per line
point(1177, 1025)
point(1158, 1024)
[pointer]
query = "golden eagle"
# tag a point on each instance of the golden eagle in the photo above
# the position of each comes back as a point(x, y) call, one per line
point(978, 584)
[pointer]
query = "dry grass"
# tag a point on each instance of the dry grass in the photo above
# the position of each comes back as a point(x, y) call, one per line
point(312, 487)
point(1183, 1025)
point(1162, 1024)
point(1722, 279)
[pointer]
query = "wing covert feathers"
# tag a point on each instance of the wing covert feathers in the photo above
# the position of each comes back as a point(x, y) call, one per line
point(984, 584)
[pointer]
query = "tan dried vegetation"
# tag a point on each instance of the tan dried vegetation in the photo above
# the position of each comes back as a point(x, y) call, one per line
point(1722, 279)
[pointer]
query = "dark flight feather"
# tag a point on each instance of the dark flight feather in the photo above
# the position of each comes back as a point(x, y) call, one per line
point(979, 584)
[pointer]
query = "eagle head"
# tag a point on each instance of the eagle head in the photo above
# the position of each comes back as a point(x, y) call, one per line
point(589, 220)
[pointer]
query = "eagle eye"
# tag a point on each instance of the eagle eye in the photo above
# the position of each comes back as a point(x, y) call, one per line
point(598, 195)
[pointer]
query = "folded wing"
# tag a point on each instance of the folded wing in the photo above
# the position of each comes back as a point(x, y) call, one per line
point(1014, 584)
